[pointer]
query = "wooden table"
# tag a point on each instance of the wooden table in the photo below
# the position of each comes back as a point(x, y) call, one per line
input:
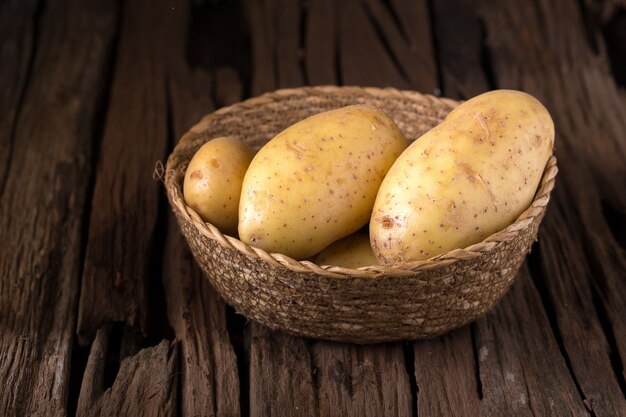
point(102, 309)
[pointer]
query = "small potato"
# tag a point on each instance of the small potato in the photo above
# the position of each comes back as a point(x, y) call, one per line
point(316, 181)
point(213, 181)
point(353, 251)
point(463, 180)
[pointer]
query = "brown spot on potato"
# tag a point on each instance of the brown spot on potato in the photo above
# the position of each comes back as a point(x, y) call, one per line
point(387, 222)
point(197, 174)
point(215, 163)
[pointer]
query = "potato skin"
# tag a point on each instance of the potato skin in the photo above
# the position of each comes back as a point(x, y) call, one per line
point(213, 179)
point(463, 180)
point(316, 181)
point(352, 251)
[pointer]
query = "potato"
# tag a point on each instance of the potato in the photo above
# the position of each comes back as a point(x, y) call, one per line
point(353, 251)
point(316, 181)
point(213, 181)
point(465, 179)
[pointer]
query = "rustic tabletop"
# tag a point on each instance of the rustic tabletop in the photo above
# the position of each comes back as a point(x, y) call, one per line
point(102, 308)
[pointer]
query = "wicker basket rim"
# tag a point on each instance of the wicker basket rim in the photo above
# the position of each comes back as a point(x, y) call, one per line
point(540, 201)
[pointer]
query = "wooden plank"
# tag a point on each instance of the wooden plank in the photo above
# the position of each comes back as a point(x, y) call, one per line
point(17, 32)
point(587, 293)
point(521, 368)
point(445, 373)
point(42, 204)
point(413, 55)
point(145, 384)
point(281, 375)
point(578, 323)
point(262, 43)
point(460, 48)
point(415, 21)
point(288, 52)
point(321, 49)
point(209, 380)
point(363, 57)
point(362, 380)
point(125, 201)
point(228, 86)
point(275, 35)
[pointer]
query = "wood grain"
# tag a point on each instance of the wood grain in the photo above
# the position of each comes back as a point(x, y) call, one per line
point(286, 362)
point(360, 47)
point(287, 37)
point(321, 49)
point(125, 200)
point(521, 368)
point(412, 51)
point(414, 19)
point(17, 34)
point(262, 39)
point(446, 376)
point(209, 380)
point(459, 35)
point(362, 380)
point(43, 201)
point(145, 384)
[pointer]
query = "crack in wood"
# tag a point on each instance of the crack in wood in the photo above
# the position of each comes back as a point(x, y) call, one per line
point(614, 35)
point(396, 19)
point(237, 326)
point(80, 353)
point(6, 148)
point(616, 221)
point(302, 29)
point(373, 10)
point(536, 272)
point(440, 89)
point(485, 57)
point(479, 383)
point(409, 366)
point(614, 354)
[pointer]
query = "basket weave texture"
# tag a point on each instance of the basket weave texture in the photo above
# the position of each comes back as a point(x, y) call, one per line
point(365, 305)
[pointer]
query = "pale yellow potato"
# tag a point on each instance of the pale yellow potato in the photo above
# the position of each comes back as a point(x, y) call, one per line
point(465, 179)
point(213, 181)
point(316, 181)
point(352, 251)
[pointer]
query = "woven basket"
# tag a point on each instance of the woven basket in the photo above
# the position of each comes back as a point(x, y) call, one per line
point(365, 305)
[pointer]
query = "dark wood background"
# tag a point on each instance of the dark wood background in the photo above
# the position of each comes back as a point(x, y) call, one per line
point(102, 309)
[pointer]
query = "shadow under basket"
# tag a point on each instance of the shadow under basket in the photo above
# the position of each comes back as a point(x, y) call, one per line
point(366, 305)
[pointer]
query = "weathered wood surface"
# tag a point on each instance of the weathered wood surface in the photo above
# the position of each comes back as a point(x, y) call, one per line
point(44, 188)
point(115, 282)
point(94, 93)
point(145, 384)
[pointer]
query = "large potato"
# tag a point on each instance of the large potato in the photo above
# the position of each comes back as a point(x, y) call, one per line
point(213, 181)
point(463, 180)
point(352, 251)
point(316, 181)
